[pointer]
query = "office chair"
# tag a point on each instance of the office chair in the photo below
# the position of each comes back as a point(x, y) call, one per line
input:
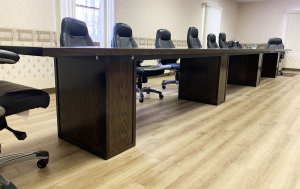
point(74, 33)
point(193, 41)
point(222, 41)
point(122, 38)
point(163, 40)
point(211, 41)
point(14, 99)
point(276, 43)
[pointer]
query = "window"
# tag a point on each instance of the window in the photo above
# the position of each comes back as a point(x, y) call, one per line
point(211, 21)
point(88, 11)
point(292, 40)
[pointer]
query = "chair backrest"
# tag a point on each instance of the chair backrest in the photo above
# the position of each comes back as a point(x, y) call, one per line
point(122, 36)
point(211, 41)
point(193, 41)
point(274, 43)
point(163, 41)
point(74, 33)
point(7, 57)
point(222, 41)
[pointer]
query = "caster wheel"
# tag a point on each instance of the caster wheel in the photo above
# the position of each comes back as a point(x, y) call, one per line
point(164, 87)
point(141, 100)
point(281, 73)
point(161, 96)
point(42, 163)
point(148, 92)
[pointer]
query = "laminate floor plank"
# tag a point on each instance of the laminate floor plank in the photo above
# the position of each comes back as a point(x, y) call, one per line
point(250, 141)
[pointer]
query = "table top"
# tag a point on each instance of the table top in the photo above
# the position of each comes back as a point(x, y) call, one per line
point(117, 54)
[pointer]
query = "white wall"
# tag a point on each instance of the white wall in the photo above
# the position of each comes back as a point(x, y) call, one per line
point(147, 16)
point(28, 23)
point(259, 21)
point(28, 14)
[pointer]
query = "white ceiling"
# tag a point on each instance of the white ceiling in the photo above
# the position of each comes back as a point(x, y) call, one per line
point(246, 1)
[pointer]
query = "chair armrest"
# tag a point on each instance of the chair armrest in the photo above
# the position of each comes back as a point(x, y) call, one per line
point(8, 57)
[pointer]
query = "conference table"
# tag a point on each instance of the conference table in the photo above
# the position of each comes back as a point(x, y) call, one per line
point(96, 87)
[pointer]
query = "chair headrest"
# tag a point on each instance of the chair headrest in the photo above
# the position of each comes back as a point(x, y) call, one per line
point(123, 30)
point(222, 36)
point(211, 38)
point(163, 34)
point(275, 41)
point(74, 27)
point(193, 32)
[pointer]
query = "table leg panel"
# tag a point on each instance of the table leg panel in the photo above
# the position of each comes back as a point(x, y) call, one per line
point(81, 102)
point(96, 104)
point(120, 104)
point(244, 70)
point(270, 65)
point(203, 79)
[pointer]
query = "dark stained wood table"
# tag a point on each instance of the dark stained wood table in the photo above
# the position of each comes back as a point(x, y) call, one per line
point(95, 87)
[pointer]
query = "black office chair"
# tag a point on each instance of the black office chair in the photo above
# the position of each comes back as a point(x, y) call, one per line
point(122, 38)
point(74, 33)
point(14, 99)
point(276, 43)
point(163, 41)
point(222, 41)
point(211, 41)
point(193, 41)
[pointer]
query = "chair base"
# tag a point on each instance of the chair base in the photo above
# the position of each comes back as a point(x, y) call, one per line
point(147, 90)
point(42, 156)
point(176, 81)
point(140, 89)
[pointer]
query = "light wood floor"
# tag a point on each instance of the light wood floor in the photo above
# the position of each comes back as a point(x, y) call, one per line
point(251, 141)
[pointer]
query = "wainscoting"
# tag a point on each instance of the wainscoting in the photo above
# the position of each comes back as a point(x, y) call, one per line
point(32, 71)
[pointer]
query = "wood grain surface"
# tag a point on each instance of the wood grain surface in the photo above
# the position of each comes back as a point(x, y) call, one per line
point(245, 70)
point(251, 141)
point(270, 65)
point(95, 104)
point(203, 79)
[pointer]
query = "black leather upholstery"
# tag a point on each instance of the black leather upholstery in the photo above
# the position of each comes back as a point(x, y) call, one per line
point(274, 43)
point(163, 41)
point(16, 98)
point(122, 38)
point(74, 33)
point(193, 41)
point(148, 71)
point(7, 57)
point(222, 41)
point(211, 41)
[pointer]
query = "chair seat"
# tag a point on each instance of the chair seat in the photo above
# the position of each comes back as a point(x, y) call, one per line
point(15, 98)
point(170, 66)
point(149, 71)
